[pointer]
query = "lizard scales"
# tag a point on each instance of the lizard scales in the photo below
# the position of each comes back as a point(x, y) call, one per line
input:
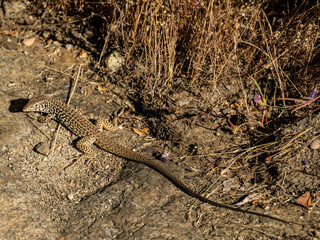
point(82, 127)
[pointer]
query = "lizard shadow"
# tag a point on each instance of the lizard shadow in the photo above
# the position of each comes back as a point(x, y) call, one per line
point(17, 105)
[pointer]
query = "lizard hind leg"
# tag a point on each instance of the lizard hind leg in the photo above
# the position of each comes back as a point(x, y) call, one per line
point(85, 146)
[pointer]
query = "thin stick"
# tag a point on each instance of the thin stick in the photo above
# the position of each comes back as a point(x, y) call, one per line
point(103, 49)
point(75, 85)
point(54, 140)
point(295, 137)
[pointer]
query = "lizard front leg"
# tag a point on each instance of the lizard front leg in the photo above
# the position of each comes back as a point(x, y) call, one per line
point(40, 118)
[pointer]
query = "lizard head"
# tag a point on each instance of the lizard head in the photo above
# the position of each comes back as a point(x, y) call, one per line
point(37, 104)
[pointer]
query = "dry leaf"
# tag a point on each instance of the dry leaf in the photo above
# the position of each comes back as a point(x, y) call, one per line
point(101, 88)
point(268, 160)
point(84, 54)
point(146, 131)
point(13, 33)
point(4, 32)
point(304, 200)
point(138, 131)
point(29, 41)
point(141, 132)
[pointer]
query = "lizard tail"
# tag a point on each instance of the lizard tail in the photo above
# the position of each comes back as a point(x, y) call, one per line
point(161, 168)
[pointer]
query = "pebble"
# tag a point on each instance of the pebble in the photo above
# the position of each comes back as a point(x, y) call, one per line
point(69, 46)
point(315, 144)
point(43, 148)
point(114, 61)
point(70, 196)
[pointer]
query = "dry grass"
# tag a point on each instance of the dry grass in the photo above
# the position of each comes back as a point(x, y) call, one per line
point(210, 43)
point(201, 46)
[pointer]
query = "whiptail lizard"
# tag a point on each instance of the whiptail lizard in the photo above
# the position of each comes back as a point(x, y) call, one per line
point(91, 134)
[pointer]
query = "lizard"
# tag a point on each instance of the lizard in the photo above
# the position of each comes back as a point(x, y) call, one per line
point(90, 134)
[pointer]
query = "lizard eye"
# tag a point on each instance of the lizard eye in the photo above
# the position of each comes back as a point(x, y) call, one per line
point(36, 108)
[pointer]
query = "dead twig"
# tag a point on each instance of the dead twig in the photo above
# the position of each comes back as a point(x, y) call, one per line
point(54, 140)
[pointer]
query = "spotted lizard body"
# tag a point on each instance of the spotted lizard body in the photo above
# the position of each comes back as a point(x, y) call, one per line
point(91, 134)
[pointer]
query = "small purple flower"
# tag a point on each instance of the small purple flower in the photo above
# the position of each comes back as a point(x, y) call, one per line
point(305, 162)
point(213, 113)
point(196, 2)
point(257, 98)
point(314, 93)
point(164, 157)
point(247, 199)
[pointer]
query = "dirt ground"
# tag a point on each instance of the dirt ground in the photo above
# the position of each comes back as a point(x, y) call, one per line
point(112, 198)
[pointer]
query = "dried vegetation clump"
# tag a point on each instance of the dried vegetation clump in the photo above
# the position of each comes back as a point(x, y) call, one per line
point(208, 43)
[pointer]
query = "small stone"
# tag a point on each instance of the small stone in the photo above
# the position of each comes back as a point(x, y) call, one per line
point(69, 47)
point(56, 43)
point(42, 148)
point(315, 144)
point(70, 196)
point(46, 34)
point(114, 61)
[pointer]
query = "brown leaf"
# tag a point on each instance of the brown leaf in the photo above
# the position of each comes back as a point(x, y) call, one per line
point(141, 132)
point(12, 33)
point(84, 54)
point(268, 160)
point(101, 88)
point(29, 41)
point(304, 200)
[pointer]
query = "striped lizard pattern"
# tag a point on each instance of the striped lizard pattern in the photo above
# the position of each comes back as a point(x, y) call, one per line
point(92, 134)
